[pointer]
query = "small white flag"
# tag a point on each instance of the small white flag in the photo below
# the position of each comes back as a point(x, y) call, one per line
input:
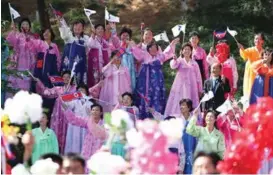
point(245, 102)
point(207, 96)
point(73, 68)
point(162, 36)
point(179, 28)
point(89, 12)
point(232, 32)
point(225, 107)
point(111, 18)
point(14, 14)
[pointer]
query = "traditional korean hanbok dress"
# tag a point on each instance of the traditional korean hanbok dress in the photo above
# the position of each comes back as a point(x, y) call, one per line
point(23, 57)
point(95, 135)
point(98, 57)
point(263, 83)
point(229, 69)
point(249, 55)
point(117, 81)
point(187, 84)
point(45, 142)
point(127, 59)
point(150, 88)
point(74, 51)
point(75, 134)
point(58, 123)
point(199, 55)
point(209, 142)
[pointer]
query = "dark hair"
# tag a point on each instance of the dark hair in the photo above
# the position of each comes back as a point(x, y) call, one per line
point(56, 158)
point(113, 53)
point(126, 30)
point(169, 118)
point(270, 51)
point(51, 32)
point(99, 106)
point(218, 64)
point(129, 95)
point(66, 72)
point(222, 41)
point(215, 116)
point(24, 20)
point(151, 45)
point(79, 21)
point(188, 103)
point(85, 87)
point(194, 33)
point(214, 157)
point(75, 157)
point(261, 34)
point(99, 25)
point(186, 45)
point(46, 114)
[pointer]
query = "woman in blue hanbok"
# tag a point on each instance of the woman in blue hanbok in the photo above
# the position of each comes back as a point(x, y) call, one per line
point(74, 49)
point(150, 87)
point(263, 83)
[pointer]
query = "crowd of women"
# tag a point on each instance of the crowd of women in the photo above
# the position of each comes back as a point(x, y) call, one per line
point(112, 72)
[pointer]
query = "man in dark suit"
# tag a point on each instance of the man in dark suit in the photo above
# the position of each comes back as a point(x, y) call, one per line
point(219, 85)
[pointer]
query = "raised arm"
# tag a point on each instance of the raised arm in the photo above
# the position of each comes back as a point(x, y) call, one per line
point(47, 92)
point(169, 52)
point(192, 127)
point(174, 63)
point(75, 120)
point(108, 69)
point(95, 90)
point(211, 59)
point(139, 53)
point(13, 37)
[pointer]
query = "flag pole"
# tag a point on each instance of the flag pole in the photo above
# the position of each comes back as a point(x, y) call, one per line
point(183, 38)
point(10, 14)
point(104, 16)
point(213, 39)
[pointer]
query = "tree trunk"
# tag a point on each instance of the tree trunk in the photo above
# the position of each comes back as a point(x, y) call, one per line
point(43, 15)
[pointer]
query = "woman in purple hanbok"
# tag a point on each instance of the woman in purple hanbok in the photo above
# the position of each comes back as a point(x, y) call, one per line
point(22, 56)
point(75, 134)
point(74, 49)
point(150, 88)
point(187, 83)
point(57, 122)
point(98, 55)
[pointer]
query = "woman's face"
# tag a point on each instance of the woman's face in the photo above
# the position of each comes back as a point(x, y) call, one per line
point(82, 90)
point(148, 36)
point(127, 101)
point(100, 31)
point(153, 50)
point(267, 56)
point(210, 119)
point(25, 26)
point(43, 121)
point(258, 41)
point(194, 40)
point(47, 34)
point(77, 28)
point(66, 78)
point(125, 37)
point(184, 108)
point(96, 113)
point(186, 52)
point(117, 61)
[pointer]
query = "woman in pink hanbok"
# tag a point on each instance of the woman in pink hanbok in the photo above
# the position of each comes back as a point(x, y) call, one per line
point(199, 55)
point(22, 56)
point(98, 55)
point(229, 67)
point(187, 83)
point(117, 81)
point(57, 122)
point(95, 135)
